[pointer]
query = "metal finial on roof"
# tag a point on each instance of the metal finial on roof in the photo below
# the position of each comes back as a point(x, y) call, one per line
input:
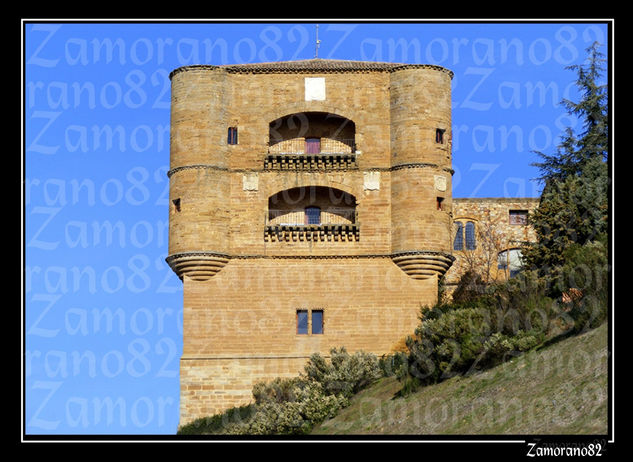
point(316, 51)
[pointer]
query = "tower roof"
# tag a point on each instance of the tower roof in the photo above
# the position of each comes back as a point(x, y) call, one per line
point(312, 66)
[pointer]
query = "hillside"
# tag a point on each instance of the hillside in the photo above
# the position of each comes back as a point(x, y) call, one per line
point(561, 389)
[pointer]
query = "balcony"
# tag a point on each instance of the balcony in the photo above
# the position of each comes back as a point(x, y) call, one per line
point(311, 154)
point(315, 214)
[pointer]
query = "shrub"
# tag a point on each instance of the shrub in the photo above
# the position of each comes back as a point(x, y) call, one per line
point(472, 334)
point(586, 272)
point(390, 364)
point(345, 374)
point(277, 391)
point(295, 405)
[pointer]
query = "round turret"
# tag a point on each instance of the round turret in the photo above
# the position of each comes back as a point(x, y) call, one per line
point(421, 171)
point(199, 188)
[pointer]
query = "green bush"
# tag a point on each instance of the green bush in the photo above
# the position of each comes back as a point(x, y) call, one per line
point(586, 270)
point(476, 333)
point(295, 405)
point(390, 364)
point(345, 374)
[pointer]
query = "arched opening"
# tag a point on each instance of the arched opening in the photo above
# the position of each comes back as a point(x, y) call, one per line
point(510, 261)
point(312, 133)
point(316, 213)
point(465, 235)
point(311, 205)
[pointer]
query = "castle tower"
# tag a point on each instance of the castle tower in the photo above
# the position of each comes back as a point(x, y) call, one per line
point(421, 199)
point(309, 209)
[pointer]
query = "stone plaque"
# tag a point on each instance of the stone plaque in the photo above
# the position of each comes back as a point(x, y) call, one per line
point(250, 182)
point(371, 181)
point(440, 182)
point(315, 88)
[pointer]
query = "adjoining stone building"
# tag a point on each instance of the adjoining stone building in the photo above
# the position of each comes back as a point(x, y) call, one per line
point(488, 234)
point(310, 208)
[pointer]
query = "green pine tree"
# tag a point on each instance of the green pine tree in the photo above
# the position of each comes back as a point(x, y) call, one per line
point(574, 202)
point(592, 110)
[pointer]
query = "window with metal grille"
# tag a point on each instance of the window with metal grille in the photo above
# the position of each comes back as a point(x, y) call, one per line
point(313, 216)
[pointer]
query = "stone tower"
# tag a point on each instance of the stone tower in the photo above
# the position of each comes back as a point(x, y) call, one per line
point(310, 208)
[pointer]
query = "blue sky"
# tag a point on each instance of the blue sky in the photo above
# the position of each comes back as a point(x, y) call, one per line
point(102, 310)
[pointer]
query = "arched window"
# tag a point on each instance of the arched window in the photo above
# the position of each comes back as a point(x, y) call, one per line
point(510, 261)
point(465, 233)
point(312, 213)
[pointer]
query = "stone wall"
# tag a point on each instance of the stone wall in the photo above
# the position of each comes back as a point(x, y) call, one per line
point(495, 231)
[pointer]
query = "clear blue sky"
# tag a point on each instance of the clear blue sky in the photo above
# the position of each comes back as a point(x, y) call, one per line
point(102, 310)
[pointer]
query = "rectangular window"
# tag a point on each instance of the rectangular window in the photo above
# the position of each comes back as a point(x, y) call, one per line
point(232, 135)
point(302, 322)
point(317, 321)
point(313, 216)
point(313, 145)
point(518, 217)
point(440, 203)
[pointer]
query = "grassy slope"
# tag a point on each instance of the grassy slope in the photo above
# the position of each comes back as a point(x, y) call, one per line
point(561, 389)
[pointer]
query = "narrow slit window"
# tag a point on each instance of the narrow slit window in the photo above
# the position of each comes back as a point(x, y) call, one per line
point(232, 135)
point(302, 322)
point(439, 136)
point(440, 203)
point(176, 203)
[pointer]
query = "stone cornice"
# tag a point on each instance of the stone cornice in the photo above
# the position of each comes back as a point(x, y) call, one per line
point(201, 265)
point(205, 253)
point(267, 170)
